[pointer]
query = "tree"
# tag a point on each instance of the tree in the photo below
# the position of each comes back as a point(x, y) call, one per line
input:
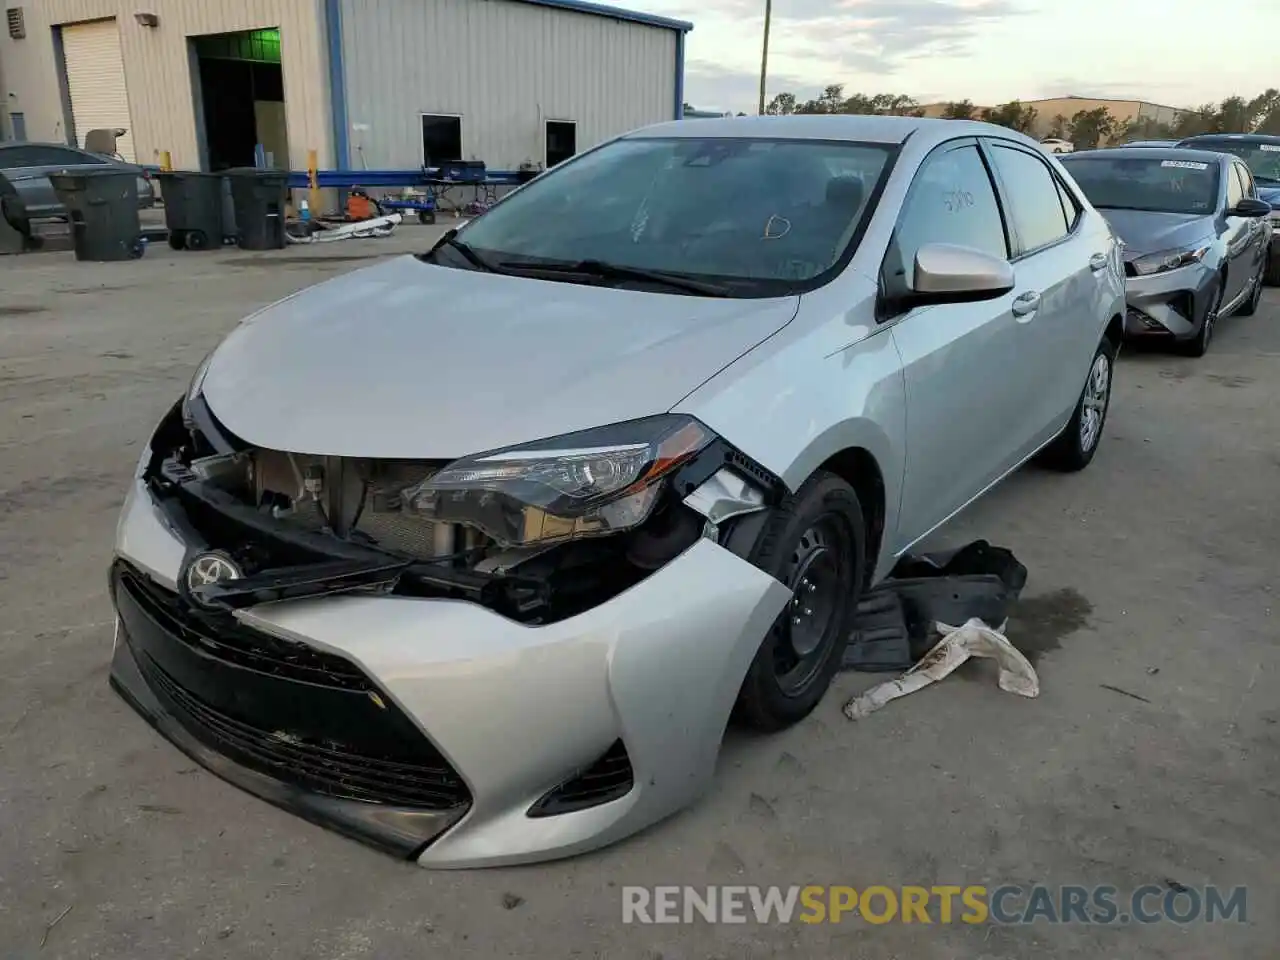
point(1089, 128)
point(781, 105)
point(1202, 119)
point(1143, 128)
point(1013, 115)
point(1058, 128)
point(959, 110)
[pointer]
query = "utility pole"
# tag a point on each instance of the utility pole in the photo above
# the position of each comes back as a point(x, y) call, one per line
point(764, 55)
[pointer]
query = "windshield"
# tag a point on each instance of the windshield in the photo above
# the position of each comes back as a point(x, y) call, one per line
point(1159, 186)
point(1263, 159)
point(759, 217)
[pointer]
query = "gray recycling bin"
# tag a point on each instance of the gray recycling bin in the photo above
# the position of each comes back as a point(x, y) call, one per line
point(259, 198)
point(193, 209)
point(102, 206)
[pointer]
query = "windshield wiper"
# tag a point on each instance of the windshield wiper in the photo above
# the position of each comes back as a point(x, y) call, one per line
point(450, 239)
point(615, 271)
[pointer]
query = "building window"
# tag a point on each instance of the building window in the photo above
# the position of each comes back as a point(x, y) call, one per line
point(562, 141)
point(441, 139)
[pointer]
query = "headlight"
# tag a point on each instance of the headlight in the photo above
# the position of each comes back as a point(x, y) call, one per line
point(1166, 260)
point(585, 484)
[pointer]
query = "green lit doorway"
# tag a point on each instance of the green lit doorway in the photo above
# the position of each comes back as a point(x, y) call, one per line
point(240, 99)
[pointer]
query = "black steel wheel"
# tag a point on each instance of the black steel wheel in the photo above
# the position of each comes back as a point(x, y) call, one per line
point(178, 239)
point(815, 544)
point(197, 240)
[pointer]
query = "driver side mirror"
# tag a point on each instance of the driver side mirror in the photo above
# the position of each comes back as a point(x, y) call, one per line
point(1251, 207)
point(946, 273)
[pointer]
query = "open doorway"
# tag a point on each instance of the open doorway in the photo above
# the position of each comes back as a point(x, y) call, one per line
point(241, 100)
point(562, 141)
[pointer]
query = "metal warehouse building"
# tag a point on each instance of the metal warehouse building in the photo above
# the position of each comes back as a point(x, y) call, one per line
point(376, 84)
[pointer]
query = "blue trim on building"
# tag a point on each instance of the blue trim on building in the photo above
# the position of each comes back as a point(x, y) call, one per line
point(617, 13)
point(337, 85)
point(680, 75)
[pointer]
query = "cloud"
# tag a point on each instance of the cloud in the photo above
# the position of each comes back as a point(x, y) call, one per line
point(710, 86)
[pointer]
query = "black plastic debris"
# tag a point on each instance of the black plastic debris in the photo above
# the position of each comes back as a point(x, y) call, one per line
point(894, 625)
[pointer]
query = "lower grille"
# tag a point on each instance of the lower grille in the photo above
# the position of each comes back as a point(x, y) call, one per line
point(303, 717)
point(327, 770)
point(227, 639)
point(609, 778)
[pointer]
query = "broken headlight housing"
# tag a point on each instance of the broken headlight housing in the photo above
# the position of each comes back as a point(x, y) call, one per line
point(585, 484)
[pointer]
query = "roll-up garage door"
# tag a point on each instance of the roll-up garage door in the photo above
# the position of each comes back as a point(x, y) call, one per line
point(95, 81)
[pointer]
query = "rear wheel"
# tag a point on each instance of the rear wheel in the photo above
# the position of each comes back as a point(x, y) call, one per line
point(1255, 295)
point(815, 544)
point(197, 240)
point(1074, 447)
point(178, 239)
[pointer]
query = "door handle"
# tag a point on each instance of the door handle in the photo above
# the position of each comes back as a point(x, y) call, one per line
point(1098, 262)
point(1026, 304)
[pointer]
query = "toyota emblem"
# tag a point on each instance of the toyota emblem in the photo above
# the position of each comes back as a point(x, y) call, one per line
point(210, 568)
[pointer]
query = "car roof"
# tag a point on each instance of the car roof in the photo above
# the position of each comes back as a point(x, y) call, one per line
point(1233, 137)
point(853, 127)
point(1149, 153)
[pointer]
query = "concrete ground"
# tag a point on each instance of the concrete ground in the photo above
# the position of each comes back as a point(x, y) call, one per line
point(1152, 755)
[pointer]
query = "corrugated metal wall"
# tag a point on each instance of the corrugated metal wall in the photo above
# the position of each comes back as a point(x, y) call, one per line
point(158, 70)
point(505, 67)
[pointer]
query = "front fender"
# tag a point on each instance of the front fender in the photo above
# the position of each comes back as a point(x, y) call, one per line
point(792, 405)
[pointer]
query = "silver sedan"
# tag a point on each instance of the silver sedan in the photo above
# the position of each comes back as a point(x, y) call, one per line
point(473, 554)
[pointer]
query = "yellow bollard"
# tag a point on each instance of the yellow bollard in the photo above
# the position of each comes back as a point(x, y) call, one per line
point(313, 178)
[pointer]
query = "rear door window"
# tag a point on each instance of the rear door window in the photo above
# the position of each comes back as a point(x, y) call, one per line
point(1035, 203)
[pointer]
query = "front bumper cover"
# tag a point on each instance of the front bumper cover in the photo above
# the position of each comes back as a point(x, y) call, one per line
point(515, 710)
point(1165, 304)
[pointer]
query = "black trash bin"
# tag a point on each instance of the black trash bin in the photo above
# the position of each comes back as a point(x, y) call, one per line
point(259, 198)
point(193, 209)
point(102, 206)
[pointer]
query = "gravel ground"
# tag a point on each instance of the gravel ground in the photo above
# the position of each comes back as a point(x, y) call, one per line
point(1150, 757)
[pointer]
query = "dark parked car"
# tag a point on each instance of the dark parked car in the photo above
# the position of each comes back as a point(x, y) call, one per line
point(1196, 236)
point(1262, 153)
point(28, 165)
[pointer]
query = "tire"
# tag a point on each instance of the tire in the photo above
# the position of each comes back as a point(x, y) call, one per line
point(1198, 345)
point(196, 240)
point(178, 239)
point(138, 248)
point(1255, 297)
point(426, 216)
point(1272, 276)
point(1073, 449)
point(814, 539)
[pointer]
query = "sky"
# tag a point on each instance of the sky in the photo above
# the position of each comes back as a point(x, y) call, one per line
point(986, 51)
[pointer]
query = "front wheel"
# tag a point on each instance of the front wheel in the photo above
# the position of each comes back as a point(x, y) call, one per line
point(1074, 447)
point(815, 544)
point(1198, 345)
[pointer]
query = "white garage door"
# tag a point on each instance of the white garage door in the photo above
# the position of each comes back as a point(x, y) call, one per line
point(95, 81)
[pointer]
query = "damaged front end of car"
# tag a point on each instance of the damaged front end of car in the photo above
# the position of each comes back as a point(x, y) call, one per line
point(502, 658)
point(537, 532)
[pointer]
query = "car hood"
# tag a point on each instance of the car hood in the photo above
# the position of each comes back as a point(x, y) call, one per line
point(1144, 232)
point(412, 360)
